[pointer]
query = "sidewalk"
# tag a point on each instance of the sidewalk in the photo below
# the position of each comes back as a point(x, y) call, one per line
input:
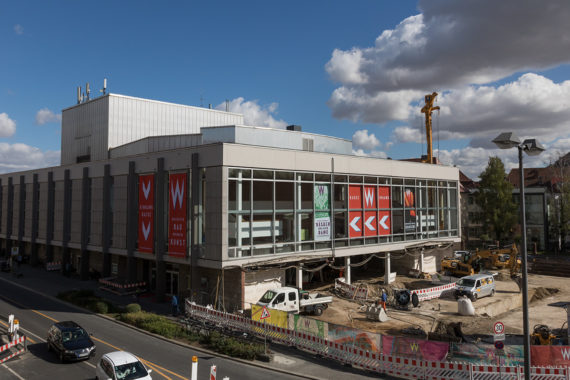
point(285, 359)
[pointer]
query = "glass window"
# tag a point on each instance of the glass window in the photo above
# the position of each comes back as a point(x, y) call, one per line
point(340, 197)
point(305, 176)
point(322, 177)
point(306, 226)
point(284, 227)
point(340, 225)
point(397, 181)
point(442, 198)
point(397, 221)
point(431, 197)
point(370, 180)
point(284, 175)
point(292, 296)
point(397, 197)
point(262, 229)
point(306, 196)
point(262, 195)
point(284, 195)
point(234, 173)
point(340, 178)
point(263, 174)
point(452, 198)
point(355, 179)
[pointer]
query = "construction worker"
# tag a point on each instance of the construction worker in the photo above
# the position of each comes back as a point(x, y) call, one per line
point(383, 299)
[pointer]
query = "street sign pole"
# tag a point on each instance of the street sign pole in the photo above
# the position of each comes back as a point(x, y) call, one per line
point(265, 338)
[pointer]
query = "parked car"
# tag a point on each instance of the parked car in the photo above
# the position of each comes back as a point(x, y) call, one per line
point(121, 365)
point(476, 286)
point(4, 265)
point(70, 341)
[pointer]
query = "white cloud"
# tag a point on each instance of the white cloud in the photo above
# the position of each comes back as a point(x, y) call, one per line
point(18, 29)
point(374, 153)
point(44, 116)
point(405, 134)
point(7, 125)
point(361, 139)
point(19, 157)
point(448, 46)
point(254, 114)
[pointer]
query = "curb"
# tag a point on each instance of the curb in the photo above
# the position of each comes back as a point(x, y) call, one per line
point(181, 344)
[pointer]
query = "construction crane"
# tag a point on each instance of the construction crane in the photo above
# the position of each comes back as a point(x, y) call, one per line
point(428, 109)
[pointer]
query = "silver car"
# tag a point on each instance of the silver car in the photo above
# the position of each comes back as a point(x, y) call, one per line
point(475, 287)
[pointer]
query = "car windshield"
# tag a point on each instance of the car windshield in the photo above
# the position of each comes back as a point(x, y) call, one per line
point(466, 282)
point(128, 371)
point(267, 297)
point(75, 334)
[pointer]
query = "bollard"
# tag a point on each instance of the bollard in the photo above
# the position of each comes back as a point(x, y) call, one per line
point(213, 372)
point(194, 375)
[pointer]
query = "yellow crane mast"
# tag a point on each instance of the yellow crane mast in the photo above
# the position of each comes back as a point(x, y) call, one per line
point(428, 109)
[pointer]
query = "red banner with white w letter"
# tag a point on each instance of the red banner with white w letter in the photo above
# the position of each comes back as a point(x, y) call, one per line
point(146, 213)
point(177, 215)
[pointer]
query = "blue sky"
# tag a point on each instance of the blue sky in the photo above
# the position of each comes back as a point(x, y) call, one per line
point(355, 70)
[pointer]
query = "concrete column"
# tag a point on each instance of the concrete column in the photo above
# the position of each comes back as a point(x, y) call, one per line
point(195, 226)
point(50, 216)
point(299, 271)
point(85, 223)
point(66, 255)
point(22, 214)
point(106, 226)
point(132, 222)
point(347, 274)
point(35, 221)
point(1, 213)
point(159, 226)
point(9, 216)
point(388, 269)
point(422, 260)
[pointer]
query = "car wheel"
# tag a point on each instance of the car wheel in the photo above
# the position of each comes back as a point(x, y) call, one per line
point(61, 358)
point(318, 311)
point(493, 293)
point(474, 297)
point(48, 346)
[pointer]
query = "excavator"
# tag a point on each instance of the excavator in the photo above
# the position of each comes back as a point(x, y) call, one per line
point(471, 263)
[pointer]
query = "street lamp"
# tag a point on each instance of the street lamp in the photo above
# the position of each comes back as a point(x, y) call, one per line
point(532, 147)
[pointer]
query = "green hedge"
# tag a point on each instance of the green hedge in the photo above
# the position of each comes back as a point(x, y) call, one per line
point(87, 299)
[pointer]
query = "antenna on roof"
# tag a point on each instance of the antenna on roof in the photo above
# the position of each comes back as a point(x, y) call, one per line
point(78, 94)
point(104, 90)
point(227, 105)
point(87, 90)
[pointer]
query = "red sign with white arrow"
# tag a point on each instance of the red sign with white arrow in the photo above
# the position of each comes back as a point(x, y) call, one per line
point(383, 222)
point(146, 213)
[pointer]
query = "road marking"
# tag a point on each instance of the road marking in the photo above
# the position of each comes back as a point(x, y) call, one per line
point(27, 332)
point(155, 366)
point(12, 371)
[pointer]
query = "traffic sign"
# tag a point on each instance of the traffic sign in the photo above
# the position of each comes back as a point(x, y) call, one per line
point(498, 331)
point(265, 313)
point(499, 345)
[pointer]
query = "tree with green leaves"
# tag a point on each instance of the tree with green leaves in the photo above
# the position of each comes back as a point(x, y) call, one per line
point(559, 203)
point(499, 213)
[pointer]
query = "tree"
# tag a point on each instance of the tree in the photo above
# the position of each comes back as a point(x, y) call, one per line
point(559, 202)
point(499, 213)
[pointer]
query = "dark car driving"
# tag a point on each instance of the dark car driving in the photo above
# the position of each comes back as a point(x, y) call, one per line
point(70, 341)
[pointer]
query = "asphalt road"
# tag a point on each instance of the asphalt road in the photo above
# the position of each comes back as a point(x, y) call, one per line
point(37, 313)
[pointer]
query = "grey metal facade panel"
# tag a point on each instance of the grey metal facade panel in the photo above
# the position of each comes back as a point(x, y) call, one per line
point(75, 211)
point(42, 212)
point(28, 210)
point(120, 212)
point(96, 210)
point(16, 207)
point(4, 204)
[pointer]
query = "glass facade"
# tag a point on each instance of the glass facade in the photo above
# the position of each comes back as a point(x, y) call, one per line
point(271, 212)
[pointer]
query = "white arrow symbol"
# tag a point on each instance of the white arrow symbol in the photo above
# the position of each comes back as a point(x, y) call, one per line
point(353, 223)
point(381, 222)
point(368, 223)
point(146, 189)
point(145, 230)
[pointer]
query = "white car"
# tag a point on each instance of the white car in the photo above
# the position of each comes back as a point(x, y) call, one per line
point(121, 365)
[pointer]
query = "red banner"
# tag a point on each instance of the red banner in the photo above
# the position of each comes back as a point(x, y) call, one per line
point(369, 197)
point(383, 223)
point(355, 196)
point(177, 215)
point(383, 197)
point(550, 356)
point(414, 348)
point(354, 224)
point(370, 223)
point(146, 213)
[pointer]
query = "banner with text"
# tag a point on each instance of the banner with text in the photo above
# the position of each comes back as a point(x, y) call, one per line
point(414, 348)
point(177, 215)
point(322, 212)
point(146, 213)
point(550, 356)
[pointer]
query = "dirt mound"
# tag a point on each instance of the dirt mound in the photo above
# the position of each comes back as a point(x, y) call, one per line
point(503, 277)
point(447, 332)
point(541, 293)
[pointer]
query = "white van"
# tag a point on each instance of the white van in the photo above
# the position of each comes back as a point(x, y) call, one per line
point(475, 287)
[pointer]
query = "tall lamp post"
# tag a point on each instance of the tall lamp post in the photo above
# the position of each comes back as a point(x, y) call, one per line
point(532, 147)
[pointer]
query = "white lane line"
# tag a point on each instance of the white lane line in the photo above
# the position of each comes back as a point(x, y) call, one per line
point(12, 371)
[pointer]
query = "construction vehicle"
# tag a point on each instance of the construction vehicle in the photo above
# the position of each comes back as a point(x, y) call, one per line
point(470, 263)
point(495, 257)
point(427, 110)
point(293, 300)
point(467, 265)
point(542, 336)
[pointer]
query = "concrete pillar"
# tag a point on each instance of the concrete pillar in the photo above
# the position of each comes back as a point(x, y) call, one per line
point(195, 225)
point(422, 260)
point(388, 269)
point(159, 227)
point(132, 222)
point(85, 223)
point(22, 214)
point(347, 274)
point(299, 271)
point(66, 254)
point(35, 222)
point(50, 216)
point(106, 225)
point(9, 216)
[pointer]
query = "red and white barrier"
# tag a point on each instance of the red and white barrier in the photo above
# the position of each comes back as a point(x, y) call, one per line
point(406, 368)
point(16, 342)
point(54, 265)
point(111, 281)
point(435, 292)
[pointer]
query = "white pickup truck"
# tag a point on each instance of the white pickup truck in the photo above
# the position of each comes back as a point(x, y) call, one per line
point(293, 300)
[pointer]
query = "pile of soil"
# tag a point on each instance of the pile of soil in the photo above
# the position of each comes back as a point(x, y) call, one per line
point(447, 332)
point(541, 293)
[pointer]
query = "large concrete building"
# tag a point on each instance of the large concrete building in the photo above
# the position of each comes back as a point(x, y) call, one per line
point(193, 202)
